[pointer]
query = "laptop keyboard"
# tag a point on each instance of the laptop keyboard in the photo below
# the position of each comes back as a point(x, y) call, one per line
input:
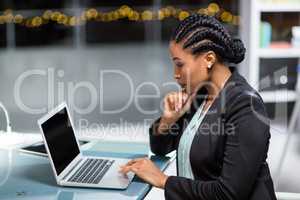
point(91, 171)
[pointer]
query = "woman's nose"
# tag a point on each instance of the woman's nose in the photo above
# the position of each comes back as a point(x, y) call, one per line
point(177, 73)
point(177, 76)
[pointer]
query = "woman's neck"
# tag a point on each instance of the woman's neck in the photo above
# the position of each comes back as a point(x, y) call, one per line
point(219, 75)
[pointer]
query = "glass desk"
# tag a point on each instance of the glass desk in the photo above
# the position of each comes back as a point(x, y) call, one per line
point(26, 176)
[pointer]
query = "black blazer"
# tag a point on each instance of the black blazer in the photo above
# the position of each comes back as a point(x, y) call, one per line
point(229, 151)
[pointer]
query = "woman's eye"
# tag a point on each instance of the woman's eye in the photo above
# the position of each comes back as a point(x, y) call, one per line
point(179, 64)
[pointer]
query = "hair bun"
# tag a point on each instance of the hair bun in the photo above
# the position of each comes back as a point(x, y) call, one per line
point(238, 50)
point(202, 33)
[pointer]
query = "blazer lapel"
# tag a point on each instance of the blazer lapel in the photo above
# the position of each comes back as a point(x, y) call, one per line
point(218, 108)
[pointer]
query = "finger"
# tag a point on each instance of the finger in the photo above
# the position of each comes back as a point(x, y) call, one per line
point(180, 102)
point(127, 169)
point(135, 160)
point(128, 163)
point(177, 101)
point(167, 103)
point(185, 97)
point(188, 103)
point(138, 161)
point(124, 169)
point(173, 102)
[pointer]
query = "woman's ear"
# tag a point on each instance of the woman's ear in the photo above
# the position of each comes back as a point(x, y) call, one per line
point(210, 58)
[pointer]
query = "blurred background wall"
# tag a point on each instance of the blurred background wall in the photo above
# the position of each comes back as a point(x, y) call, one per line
point(100, 54)
point(46, 36)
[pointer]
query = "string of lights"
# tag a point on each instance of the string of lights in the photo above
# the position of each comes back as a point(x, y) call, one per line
point(123, 12)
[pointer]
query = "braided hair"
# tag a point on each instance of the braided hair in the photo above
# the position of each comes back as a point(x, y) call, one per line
point(201, 33)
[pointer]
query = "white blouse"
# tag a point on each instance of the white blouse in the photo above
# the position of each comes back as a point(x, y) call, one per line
point(185, 143)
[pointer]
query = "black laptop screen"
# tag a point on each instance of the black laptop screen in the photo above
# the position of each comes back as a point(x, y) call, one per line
point(61, 140)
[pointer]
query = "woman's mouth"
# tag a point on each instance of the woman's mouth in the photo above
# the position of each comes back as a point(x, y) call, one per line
point(183, 87)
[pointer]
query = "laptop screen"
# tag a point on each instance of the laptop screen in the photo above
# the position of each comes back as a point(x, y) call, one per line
point(61, 140)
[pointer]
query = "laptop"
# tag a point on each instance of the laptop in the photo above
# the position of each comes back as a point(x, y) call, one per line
point(70, 166)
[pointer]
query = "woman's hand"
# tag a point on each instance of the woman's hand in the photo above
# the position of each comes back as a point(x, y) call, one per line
point(175, 105)
point(146, 170)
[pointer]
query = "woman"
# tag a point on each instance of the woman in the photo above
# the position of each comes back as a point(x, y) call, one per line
point(217, 123)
